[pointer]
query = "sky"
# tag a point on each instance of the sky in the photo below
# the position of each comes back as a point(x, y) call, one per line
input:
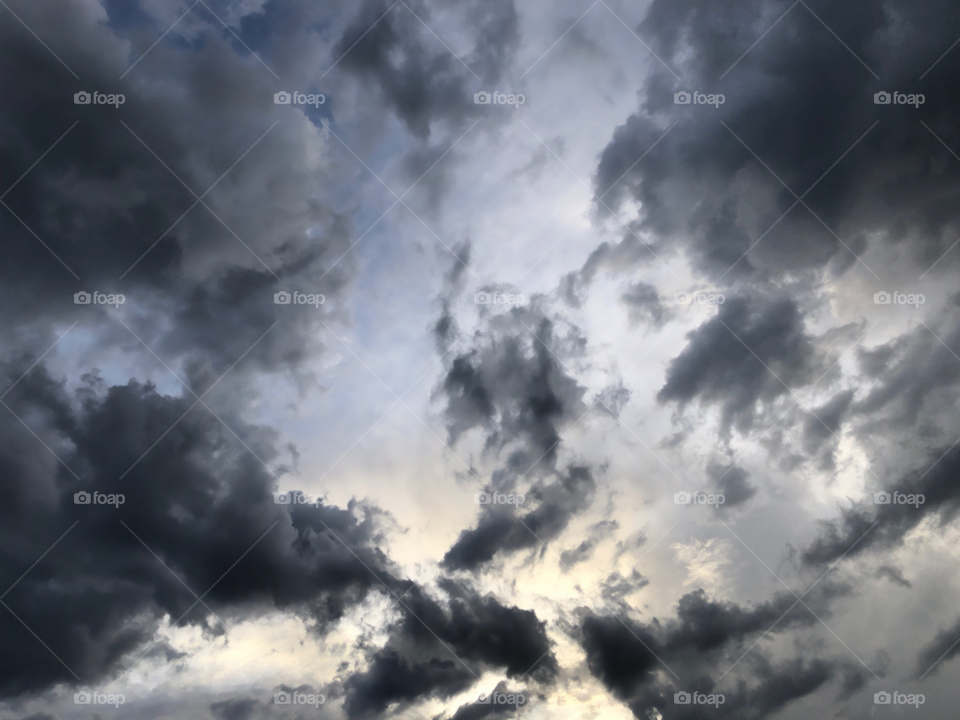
point(455, 360)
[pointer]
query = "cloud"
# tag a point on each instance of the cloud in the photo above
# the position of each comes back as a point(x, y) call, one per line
point(630, 658)
point(197, 500)
point(390, 679)
point(513, 385)
point(731, 480)
point(503, 531)
point(449, 648)
point(478, 711)
point(723, 185)
point(867, 526)
point(790, 198)
point(415, 76)
point(754, 350)
point(198, 275)
point(584, 551)
point(894, 575)
point(938, 651)
point(643, 303)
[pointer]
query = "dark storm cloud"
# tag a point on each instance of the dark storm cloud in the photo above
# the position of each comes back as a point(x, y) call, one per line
point(775, 687)
point(869, 526)
point(915, 380)
point(415, 75)
point(558, 499)
point(753, 351)
point(199, 500)
point(799, 100)
point(390, 679)
point(444, 651)
point(706, 637)
point(512, 384)
point(100, 200)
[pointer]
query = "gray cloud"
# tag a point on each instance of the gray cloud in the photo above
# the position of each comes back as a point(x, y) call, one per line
point(415, 76)
point(755, 350)
point(432, 650)
point(799, 100)
point(705, 637)
point(199, 500)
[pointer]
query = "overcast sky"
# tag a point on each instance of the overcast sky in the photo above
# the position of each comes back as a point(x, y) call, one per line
point(416, 359)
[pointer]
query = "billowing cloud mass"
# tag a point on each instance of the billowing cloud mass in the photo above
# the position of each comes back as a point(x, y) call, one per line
point(478, 359)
